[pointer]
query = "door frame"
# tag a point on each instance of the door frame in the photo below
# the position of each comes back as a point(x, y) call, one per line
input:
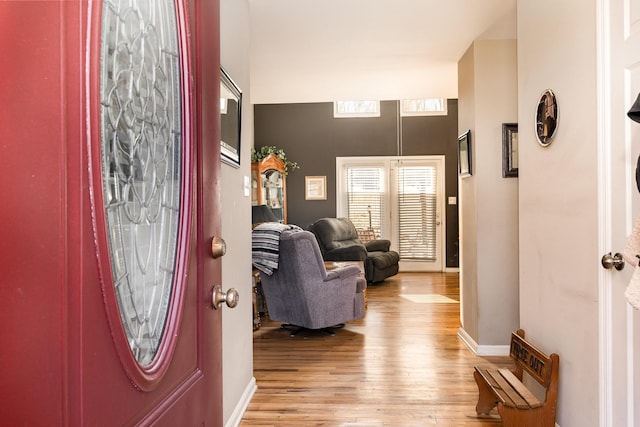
point(604, 214)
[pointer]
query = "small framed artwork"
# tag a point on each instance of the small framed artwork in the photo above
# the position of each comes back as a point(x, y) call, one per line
point(315, 188)
point(230, 125)
point(464, 154)
point(509, 150)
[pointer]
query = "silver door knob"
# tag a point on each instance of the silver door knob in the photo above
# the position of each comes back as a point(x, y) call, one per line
point(231, 297)
point(611, 261)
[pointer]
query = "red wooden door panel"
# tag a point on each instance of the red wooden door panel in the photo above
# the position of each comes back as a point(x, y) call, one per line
point(62, 361)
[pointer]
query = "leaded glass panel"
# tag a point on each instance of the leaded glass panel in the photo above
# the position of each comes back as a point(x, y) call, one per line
point(141, 140)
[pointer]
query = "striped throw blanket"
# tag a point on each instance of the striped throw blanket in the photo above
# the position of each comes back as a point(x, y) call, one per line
point(265, 245)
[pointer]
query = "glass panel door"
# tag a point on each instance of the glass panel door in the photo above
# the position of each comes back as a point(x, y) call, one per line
point(417, 212)
point(399, 199)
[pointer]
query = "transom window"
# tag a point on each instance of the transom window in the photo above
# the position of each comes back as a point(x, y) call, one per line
point(423, 107)
point(342, 109)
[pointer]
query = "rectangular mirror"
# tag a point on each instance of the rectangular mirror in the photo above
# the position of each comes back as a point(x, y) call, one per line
point(230, 114)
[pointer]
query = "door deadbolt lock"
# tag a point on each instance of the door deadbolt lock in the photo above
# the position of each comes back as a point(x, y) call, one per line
point(218, 247)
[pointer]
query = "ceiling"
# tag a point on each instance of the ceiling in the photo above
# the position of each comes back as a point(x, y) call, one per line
point(325, 50)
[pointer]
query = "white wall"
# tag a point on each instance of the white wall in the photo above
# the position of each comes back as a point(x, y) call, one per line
point(558, 198)
point(488, 202)
point(497, 233)
point(237, 329)
point(467, 203)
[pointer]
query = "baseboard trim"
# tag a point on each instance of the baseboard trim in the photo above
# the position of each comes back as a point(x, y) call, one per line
point(452, 270)
point(243, 404)
point(482, 350)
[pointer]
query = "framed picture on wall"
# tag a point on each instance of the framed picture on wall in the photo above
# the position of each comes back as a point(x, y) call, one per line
point(315, 188)
point(509, 150)
point(464, 154)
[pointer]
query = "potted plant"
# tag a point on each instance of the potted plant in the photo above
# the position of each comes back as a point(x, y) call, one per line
point(263, 152)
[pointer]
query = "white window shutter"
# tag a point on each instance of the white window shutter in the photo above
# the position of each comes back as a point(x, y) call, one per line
point(417, 212)
point(365, 197)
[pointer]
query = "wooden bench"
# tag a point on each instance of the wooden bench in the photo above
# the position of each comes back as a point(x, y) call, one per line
point(503, 388)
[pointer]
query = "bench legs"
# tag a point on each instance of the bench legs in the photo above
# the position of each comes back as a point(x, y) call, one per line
point(538, 417)
point(486, 399)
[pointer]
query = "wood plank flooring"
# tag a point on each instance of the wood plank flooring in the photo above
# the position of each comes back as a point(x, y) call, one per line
point(402, 365)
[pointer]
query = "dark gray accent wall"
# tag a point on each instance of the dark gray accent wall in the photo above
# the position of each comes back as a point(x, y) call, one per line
point(313, 138)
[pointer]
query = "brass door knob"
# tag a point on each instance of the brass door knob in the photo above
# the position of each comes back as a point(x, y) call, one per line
point(231, 297)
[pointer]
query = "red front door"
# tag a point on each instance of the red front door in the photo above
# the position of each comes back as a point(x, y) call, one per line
point(109, 205)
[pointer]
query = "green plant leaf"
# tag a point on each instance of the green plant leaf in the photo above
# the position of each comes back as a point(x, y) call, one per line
point(260, 154)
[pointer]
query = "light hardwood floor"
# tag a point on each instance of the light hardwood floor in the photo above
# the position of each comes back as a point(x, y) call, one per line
point(402, 365)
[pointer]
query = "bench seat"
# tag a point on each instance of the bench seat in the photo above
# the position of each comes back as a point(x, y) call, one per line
point(517, 405)
point(509, 389)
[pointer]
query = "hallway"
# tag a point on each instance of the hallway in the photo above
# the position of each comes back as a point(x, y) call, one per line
point(402, 365)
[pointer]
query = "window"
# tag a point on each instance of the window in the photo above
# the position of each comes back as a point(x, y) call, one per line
point(343, 109)
point(423, 107)
point(398, 198)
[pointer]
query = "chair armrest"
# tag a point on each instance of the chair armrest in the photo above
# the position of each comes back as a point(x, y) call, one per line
point(347, 253)
point(342, 272)
point(339, 289)
point(381, 245)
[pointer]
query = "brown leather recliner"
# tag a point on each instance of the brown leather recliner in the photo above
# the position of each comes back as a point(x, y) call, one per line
point(338, 241)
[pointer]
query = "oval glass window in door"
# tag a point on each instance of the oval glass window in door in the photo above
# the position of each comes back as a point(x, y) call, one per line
point(142, 163)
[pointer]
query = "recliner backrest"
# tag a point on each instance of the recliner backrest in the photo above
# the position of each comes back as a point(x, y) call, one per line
point(301, 255)
point(335, 233)
point(300, 268)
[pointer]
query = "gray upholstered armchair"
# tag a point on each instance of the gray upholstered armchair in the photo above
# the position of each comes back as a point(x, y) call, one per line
point(301, 293)
point(338, 239)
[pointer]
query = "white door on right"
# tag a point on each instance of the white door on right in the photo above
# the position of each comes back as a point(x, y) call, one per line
point(619, 62)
